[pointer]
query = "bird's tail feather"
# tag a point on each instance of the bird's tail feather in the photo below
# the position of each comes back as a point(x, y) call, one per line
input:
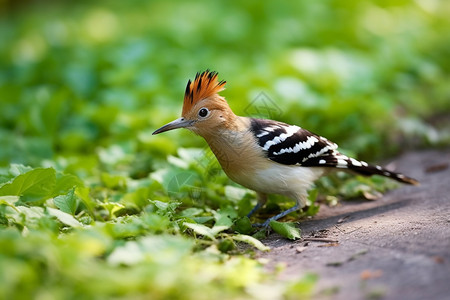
point(343, 162)
point(370, 170)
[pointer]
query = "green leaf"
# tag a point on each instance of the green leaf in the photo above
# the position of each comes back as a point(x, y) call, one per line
point(137, 199)
point(65, 182)
point(203, 219)
point(34, 185)
point(165, 208)
point(260, 234)
point(163, 249)
point(65, 218)
point(17, 169)
point(251, 241)
point(28, 216)
point(191, 154)
point(128, 254)
point(83, 194)
point(226, 245)
point(9, 201)
point(179, 184)
point(224, 217)
point(313, 208)
point(155, 222)
point(162, 206)
point(234, 193)
point(243, 225)
point(201, 229)
point(112, 207)
point(219, 228)
point(312, 196)
point(67, 203)
point(245, 206)
point(113, 181)
point(302, 288)
point(191, 212)
point(288, 230)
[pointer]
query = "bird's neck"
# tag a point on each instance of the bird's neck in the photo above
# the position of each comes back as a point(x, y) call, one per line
point(231, 144)
point(227, 133)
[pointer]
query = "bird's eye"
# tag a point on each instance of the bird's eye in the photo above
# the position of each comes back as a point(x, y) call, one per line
point(203, 112)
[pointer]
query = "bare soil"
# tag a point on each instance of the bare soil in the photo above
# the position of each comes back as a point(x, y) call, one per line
point(396, 247)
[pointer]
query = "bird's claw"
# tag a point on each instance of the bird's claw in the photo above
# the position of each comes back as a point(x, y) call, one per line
point(262, 225)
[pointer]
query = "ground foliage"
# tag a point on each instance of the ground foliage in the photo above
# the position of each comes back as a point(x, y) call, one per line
point(93, 206)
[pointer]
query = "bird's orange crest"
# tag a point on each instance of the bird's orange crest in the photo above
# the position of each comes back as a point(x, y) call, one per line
point(204, 85)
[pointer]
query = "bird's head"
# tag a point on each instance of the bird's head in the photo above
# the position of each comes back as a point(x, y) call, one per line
point(204, 110)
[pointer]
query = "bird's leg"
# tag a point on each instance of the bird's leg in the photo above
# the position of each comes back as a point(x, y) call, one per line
point(280, 215)
point(299, 204)
point(262, 199)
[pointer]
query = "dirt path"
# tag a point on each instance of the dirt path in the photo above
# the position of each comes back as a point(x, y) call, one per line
point(397, 247)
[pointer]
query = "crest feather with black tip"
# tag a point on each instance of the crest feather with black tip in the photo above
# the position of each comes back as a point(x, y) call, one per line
point(204, 85)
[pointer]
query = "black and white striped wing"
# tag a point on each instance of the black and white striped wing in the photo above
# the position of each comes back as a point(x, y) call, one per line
point(292, 145)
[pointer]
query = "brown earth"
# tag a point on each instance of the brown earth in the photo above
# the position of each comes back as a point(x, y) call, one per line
point(397, 247)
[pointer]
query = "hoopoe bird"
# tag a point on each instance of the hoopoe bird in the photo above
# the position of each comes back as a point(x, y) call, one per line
point(269, 157)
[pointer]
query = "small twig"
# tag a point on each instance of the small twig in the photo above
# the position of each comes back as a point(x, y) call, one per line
point(313, 239)
point(355, 229)
point(338, 228)
point(343, 231)
point(437, 168)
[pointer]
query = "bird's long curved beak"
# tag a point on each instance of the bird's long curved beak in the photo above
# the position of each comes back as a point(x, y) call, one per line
point(178, 123)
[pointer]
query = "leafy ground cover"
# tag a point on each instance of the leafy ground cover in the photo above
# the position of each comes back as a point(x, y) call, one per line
point(93, 206)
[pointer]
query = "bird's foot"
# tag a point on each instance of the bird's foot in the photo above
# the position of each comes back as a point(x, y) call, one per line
point(263, 225)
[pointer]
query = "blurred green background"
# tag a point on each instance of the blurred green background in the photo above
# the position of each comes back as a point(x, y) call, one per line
point(83, 84)
point(370, 75)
